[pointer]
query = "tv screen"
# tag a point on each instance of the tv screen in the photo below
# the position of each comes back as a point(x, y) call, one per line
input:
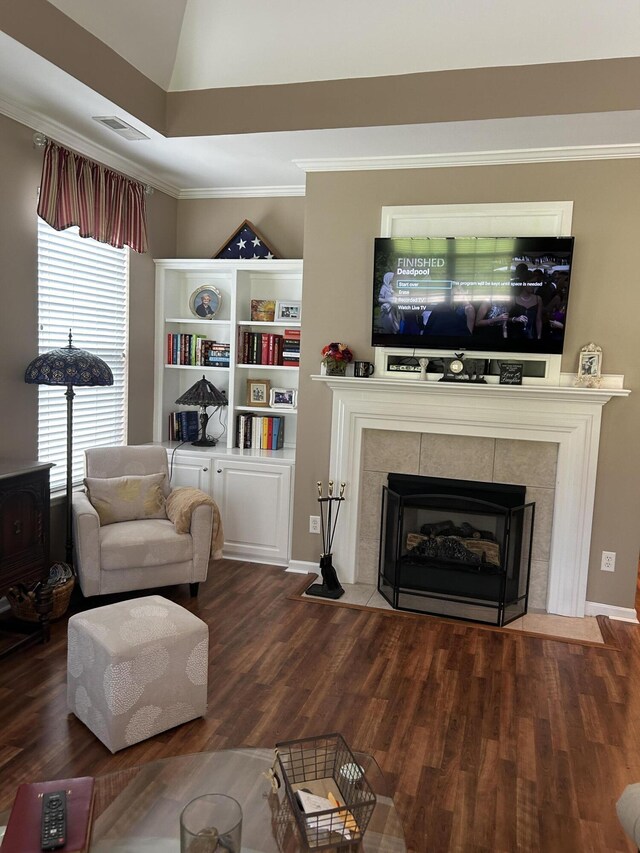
point(503, 294)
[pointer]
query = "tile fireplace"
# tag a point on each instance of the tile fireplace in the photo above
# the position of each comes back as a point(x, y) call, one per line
point(562, 415)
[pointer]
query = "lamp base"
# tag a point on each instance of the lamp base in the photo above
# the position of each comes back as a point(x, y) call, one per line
point(204, 442)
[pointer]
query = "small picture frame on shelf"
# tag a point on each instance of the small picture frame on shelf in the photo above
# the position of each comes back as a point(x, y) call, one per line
point(283, 398)
point(288, 310)
point(205, 301)
point(258, 392)
point(263, 310)
point(589, 366)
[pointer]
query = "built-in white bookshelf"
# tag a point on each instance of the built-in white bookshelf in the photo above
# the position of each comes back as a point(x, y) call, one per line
point(237, 282)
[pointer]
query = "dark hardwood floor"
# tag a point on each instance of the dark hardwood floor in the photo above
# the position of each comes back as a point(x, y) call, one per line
point(490, 741)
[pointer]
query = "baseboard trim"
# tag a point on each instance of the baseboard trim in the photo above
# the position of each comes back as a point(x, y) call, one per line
point(622, 614)
point(302, 567)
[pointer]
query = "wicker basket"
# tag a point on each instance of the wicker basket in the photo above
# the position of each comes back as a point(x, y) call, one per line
point(23, 601)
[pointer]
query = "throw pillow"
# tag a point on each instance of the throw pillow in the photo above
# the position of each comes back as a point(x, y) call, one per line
point(127, 498)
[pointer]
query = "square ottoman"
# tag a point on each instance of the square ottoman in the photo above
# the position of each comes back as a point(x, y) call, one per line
point(136, 668)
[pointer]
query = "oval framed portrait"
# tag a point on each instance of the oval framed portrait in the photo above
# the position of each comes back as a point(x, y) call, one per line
point(205, 301)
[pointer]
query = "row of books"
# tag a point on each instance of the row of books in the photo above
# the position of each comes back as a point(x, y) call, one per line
point(196, 350)
point(184, 426)
point(267, 348)
point(260, 432)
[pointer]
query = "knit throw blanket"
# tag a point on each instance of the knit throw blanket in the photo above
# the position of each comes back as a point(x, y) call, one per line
point(180, 506)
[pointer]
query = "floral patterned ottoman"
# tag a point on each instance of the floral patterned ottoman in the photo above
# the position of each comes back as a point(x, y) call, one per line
point(136, 668)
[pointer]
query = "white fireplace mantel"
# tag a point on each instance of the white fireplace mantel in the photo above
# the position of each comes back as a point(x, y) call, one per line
point(566, 415)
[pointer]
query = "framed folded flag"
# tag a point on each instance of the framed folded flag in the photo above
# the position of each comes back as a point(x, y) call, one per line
point(245, 243)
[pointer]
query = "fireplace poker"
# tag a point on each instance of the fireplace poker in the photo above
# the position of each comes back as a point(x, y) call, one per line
point(330, 500)
point(320, 501)
point(338, 500)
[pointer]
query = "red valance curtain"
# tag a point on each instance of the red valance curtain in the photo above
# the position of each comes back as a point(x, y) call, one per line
point(105, 205)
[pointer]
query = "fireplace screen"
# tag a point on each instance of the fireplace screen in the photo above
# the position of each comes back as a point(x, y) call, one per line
point(456, 548)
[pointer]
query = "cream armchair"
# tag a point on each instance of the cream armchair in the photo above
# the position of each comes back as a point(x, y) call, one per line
point(143, 553)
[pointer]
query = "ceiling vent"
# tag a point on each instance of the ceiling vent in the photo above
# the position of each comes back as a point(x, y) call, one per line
point(117, 125)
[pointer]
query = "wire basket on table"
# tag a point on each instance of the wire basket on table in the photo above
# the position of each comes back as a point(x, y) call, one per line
point(326, 764)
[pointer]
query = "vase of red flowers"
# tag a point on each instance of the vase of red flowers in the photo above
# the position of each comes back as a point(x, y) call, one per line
point(335, 358)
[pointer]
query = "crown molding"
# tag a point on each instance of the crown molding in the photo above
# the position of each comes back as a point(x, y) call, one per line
point(242, 192)
point(76, 141)
point(472, 158)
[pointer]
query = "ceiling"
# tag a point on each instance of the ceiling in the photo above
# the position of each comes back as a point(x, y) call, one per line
point(209, 44)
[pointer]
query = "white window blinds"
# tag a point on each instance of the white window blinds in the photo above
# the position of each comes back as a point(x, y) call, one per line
point(82, 286)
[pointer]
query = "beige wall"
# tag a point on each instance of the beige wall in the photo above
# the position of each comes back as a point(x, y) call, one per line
point(342, 217)
point(20, 168)
point(205, 225)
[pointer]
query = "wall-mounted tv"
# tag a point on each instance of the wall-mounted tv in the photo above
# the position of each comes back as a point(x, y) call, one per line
point(502, 294)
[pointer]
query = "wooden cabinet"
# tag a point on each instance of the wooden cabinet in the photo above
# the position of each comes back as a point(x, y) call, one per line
point(191, 469)
point(254, 495)
point(252, 487)
point(254, 501)
point(24, 527)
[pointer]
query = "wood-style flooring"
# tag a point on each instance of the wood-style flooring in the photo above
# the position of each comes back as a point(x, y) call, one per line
point(490, 741)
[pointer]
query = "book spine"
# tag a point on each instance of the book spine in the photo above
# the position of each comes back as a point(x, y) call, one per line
point(270, 433)
point(280, 442)
point(240, 430)
point(253, 348)
point(264, 444)
point(264, 349)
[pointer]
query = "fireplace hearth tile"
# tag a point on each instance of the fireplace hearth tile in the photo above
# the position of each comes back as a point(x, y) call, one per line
point(379, 602)
point(584, 629)
point(532, 463)
point(563, 626)
point(465, 457)
point(538, 583)
point(370, 503)
point(391, 450)
point(367, 567)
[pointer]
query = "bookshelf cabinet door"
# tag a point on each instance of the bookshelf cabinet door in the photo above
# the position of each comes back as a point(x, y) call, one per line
point(190, 469)
point(254, 501)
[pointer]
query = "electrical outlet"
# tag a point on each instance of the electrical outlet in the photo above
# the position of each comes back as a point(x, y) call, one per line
point(314, 524)
point(608, 563)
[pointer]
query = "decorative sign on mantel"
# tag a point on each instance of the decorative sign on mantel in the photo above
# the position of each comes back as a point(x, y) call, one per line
point(511, 372)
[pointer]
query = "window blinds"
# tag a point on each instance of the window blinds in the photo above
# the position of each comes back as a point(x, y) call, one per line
point(82, 286)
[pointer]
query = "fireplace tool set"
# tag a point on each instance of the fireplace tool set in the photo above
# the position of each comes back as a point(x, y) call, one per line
point(330, 586)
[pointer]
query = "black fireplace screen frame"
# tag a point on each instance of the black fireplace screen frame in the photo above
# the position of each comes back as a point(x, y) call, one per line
point(486, 589)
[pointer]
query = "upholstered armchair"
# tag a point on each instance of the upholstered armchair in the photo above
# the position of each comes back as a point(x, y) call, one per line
point(123, 539)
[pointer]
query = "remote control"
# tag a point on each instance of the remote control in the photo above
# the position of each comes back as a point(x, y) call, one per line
point(54, 820)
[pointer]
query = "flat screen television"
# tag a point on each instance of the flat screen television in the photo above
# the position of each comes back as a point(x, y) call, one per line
point(502, 294)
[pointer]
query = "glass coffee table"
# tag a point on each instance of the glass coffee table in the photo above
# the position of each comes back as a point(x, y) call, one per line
point(138, 810)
